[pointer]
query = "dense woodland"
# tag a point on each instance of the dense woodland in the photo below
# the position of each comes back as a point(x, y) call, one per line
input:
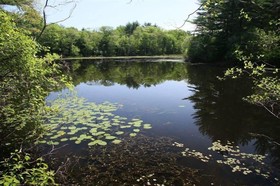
point(132, 39)
point(247, 32)
point(227, 28)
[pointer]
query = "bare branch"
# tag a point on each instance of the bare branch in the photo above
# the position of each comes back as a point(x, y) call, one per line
point(269, 110)
point(70, 14)
point(265, 136)
point(44, 19)
point(187, 20)
point(54, 6)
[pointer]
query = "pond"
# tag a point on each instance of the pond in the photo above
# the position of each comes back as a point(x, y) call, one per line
point(161, 123)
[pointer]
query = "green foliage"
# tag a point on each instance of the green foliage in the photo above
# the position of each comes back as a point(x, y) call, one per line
point(26, 16)
point(199, 51)
point(21, 169)
point(226, 26)
point(130, 40)
point(243, 31)
point(18, 3)
point(130, 27)
point(266, 82)
point(25, 82)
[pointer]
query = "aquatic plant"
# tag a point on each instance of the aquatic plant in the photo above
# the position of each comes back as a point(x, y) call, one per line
point(231, 156)
point(140, 160)
point(75, 119)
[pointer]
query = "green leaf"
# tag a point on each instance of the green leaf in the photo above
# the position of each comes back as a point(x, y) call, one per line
point(116, 141)
point(133, 134)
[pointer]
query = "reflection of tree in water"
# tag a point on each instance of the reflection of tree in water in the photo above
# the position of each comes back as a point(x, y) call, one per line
point(222, 115)
point(131, 74)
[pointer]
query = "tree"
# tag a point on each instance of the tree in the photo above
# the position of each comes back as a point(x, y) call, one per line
point(25, 81)
point(18, 3)
point(22, 72)
point(225, 26)
point(130, 27)
point(107, 44)
point(244, 31)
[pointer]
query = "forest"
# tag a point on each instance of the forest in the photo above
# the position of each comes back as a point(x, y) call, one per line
point(244, 35)
point(225, 29)
point(132, 39)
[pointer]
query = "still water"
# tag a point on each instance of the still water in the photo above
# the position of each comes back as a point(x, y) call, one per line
point(188, 110)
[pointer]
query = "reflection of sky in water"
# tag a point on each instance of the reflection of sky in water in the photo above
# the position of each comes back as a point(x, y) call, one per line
point(165, 96)
point(162, 105)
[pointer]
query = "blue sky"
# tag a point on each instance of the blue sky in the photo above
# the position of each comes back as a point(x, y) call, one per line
point(92, 14)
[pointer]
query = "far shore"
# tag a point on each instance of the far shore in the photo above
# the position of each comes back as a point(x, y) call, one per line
point(168, 57)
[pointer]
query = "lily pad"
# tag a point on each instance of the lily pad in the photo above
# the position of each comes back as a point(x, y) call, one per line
point(98, 133)
point(72, 132)
point(97, 142)
point(136, 130)
point(64, 139)
point(78, 142)
point(72, 128)
point(116, 141)
point(110, 137)
point(132, 134)
point(74, 138)
point(90, 119)
point(119, 132)
point(42, 141)
point(125, 126)
point(147, 126)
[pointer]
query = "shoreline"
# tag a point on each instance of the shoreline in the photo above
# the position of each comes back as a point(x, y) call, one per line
point(130, 58)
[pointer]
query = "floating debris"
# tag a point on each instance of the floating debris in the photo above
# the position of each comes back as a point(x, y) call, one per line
point(231, 156)
point(195, 154)
point(176, 144)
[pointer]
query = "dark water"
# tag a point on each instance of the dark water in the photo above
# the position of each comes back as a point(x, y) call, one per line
point(185, 104)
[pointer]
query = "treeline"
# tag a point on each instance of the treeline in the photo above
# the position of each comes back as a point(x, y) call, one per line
point(130, 40)
point(228, 29)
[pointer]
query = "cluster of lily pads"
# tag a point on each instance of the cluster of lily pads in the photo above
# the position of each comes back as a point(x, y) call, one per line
point(75, 119)
point(198, 155)
point(238, 161)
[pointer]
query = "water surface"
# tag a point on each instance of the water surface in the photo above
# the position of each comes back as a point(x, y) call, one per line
point(185, 104)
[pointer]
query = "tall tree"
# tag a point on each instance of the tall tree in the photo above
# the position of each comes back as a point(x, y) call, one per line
point(225, 26)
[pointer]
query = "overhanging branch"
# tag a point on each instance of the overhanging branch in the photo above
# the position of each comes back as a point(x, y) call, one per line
point(52, 6)
point(187, 20)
